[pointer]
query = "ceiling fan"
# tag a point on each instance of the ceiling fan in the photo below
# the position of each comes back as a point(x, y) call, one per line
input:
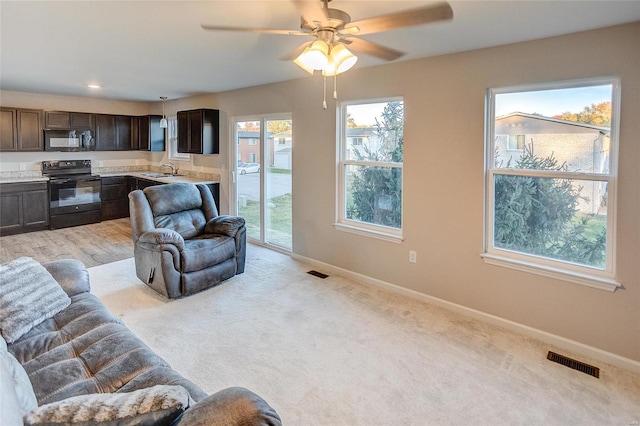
point(333, 28)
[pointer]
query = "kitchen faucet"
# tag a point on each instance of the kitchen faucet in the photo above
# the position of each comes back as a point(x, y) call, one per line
point(174, 170)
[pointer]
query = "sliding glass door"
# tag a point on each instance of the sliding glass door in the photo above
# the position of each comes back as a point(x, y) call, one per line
point(264, 148)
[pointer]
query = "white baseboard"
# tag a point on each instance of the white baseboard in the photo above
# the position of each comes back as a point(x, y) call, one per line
point(552, 339)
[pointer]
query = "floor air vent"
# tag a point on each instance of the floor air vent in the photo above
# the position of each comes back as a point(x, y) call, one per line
point(318, 274)
point(572, 363)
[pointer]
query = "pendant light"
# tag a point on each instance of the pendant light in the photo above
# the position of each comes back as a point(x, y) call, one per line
point(163, 121)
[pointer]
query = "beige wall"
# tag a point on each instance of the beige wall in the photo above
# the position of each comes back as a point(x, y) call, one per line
point(443, 180)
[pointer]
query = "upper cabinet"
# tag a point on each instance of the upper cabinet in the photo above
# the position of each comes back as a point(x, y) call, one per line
point(150, 136)
point(113, 132)
point(68, 120)
point(105, 132)
point(8, 133)
point(199, 131)
point(21, 130)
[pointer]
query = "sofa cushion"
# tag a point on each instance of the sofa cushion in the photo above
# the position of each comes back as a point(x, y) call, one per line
point(28, 296)
point(207, 250)
point(83, 349)
point(155, 405)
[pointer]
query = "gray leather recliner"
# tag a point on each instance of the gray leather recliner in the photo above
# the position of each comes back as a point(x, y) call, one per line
point(181, 244)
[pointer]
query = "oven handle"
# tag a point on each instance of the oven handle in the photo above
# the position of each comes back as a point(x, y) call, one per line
point(91, 179)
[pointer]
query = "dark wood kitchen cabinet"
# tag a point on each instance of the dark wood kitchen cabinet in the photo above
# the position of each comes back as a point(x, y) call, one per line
point(199, 131)
point(105, 132)
point(21, 130)
point(123, 133)
point(68, 120)
point(114, 197)
point(113, 132)
point(147, 135)
point(24, 207)
point(8, 134)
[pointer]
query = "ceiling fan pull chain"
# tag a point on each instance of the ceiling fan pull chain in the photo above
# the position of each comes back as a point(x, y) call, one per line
point(335, 87)
point(324, 92)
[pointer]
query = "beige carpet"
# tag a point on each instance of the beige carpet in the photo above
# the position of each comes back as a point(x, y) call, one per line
point(335, 352)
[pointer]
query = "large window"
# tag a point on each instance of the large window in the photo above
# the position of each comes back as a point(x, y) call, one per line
point(370, 168)
point(551, 175)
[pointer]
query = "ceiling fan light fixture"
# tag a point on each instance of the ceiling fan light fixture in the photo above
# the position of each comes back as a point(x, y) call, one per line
point(313, 57)
point(340, 60)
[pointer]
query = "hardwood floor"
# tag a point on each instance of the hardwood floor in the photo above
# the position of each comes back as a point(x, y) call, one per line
point(93, 244)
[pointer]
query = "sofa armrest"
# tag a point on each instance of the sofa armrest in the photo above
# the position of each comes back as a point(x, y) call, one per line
point(225, 225)
point(71, 274)
point(161, 236)
point(231, 406)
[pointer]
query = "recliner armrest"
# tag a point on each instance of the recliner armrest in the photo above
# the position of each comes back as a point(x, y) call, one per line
point(231, 407)
point(225, 225)
point(162, 236)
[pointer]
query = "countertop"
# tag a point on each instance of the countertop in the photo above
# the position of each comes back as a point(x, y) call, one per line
point(167, 179)
point(204, 178)
point(23, 179)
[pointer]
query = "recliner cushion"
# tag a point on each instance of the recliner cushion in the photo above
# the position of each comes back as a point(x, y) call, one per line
point(189, 223)
point(207, 250)
point(177, 197)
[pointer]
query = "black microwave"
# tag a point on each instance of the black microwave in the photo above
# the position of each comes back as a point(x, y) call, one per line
point(69, 140)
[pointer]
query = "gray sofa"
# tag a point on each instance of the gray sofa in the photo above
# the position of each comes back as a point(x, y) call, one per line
point(181, 244)
point(84, 350)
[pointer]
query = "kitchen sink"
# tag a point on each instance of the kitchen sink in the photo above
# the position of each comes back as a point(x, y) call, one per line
point(160, 175)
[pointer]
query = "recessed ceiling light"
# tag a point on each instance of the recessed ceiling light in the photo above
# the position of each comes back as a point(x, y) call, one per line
point(93, 86)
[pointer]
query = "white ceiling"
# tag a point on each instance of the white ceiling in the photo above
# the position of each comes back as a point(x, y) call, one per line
point(141, 50)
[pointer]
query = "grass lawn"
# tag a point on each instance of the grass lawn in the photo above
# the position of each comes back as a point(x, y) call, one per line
point(278, 220)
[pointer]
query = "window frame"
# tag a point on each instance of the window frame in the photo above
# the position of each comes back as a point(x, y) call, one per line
point(604, 279)
point(172, 142)
point(342, 223)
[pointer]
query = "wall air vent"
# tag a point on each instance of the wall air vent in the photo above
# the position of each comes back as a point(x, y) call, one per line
point(318, 274)
point(572, 363)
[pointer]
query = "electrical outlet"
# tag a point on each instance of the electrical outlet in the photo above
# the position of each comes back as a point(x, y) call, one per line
point(100, 163)
point(413, 256)
point(23, 167)
point(137, 162)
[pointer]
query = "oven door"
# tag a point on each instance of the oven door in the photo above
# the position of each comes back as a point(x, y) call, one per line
point(72, 194)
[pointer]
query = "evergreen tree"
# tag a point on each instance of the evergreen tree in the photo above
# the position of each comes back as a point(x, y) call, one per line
point(539, 216)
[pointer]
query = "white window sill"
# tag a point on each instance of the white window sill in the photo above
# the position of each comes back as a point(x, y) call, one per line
point(589, 280)
point(393, 238)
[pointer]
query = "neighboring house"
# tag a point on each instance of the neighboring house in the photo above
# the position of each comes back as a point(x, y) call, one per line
point(280, 145)
point(582, 147)
point(360, 137)
point(249, 147)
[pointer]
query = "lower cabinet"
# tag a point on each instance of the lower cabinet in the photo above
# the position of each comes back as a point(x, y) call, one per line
point(114, 197)
point(24, 207)
point(116, 189)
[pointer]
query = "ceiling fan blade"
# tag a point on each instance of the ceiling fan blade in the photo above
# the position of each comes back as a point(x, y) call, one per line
point(408, 18)
point(253, 30)
point(372, 49)
point(311, 11)
point(293, 55)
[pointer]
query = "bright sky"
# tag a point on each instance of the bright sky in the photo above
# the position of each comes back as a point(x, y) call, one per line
point(552, 102)
point(365, 114)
